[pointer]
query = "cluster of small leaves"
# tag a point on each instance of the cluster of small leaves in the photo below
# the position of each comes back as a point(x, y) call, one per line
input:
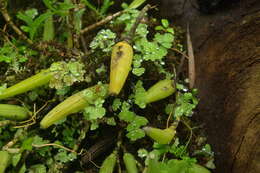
point(134, 121)
point(64, 156)
point(166, 166)
point(185, 103)
point(59, 8)
point(65, 74)
point(140, 94)
point(161, 69)
point(95, 110)
point(154, 50)
point(54, 157)
point(178, 150)
point(28, 143)
point(165, 27)
point(104, 40)
point(206, 152)
point(15, 55)
point(33, 23)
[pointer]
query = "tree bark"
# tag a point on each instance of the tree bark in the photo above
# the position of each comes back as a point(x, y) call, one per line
point(228, 79)
point(227, 56)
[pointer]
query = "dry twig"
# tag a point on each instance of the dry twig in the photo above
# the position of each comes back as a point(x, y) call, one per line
point(8, 20)
point(56, 145)
point(100, 23)
point(192, 73)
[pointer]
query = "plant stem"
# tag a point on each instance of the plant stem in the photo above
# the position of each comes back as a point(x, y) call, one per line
point(141, 15)
point(100, 23)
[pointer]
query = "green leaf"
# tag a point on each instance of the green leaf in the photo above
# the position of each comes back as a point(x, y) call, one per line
point(48, 30)
point(142, 30)
point(169, 109)
point(170, 30)
point(16, 158)
point(138, 71)
point(66, 74)
point(133, 128)
point(94, 125)
point(165, 23)
point(27, 144)
point(137, 123)
point(165, 40)
point(140, 95)
point(150, 50)
point(37, 140)
point(125, 114)
point(49, 4)
point(93, 113)
point(142, 153)
point(135, 134)
point(22, 169)
point(159, 28)
point(185, 104)
point(136, 3)
point(38, 168)
point(111, 121)
point(37, 22)
point(89, 5)
point(105, 6)
point(104, 40)
point(64, 157)
point(116, 104)
point(27, 19)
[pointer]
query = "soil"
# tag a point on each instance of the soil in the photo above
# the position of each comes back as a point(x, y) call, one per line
point(227, 55)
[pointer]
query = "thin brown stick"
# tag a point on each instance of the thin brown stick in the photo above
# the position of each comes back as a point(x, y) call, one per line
point(56, 145)
point(180, 52)
point(84, 45)
point(179, 69)
point(100, 23)
point(131, 34)
point(16, 138)
point(192, 73)
point(11, 23)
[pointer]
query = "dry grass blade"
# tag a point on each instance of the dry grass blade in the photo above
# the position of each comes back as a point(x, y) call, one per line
point(192, 74)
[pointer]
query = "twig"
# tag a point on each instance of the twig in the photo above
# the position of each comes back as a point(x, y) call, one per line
point(84, 45)
point(8, 20)
point(18, 134)
point(179, 69)
point(32, 120)
point(56, 145)
point(191, 132)
point(168, 119)
point(131, 34)
point(192, 73)
point(100, 23)
point(180, 52)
